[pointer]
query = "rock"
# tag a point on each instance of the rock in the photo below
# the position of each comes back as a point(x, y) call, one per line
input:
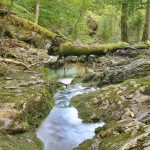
point(72, 59)
point(11, 55)
point(29, 140)
point(145, 90)
point(95, 101)
point(82, 59)
point(132, 143)
point(146, 119)
point(137, 69)
point(15, 128)
point(147, 144)
point(38, 98)
point(105, 133)
point(128, 113)
point(94, 118)
point(99, 129)
point(130, 96)
point(2, 69)
point(130, 52)
point(122, 97)
point(119, 93)
point(147, 148)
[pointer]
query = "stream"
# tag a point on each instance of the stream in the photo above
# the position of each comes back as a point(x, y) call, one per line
point(63, 129)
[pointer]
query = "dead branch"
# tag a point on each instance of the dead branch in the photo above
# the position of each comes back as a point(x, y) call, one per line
point(10, 61)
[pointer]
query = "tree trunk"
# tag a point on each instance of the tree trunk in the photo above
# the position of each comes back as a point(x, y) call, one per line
point(138, 33)
point(124, 25)
point(37, 11)
point(2, 7)
point(147, 24)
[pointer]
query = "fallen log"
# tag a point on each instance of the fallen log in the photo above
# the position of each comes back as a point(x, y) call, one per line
point(17, 21)
point(144, 45)
point(69, 49)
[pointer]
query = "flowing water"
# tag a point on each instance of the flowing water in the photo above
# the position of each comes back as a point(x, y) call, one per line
point(63, 129)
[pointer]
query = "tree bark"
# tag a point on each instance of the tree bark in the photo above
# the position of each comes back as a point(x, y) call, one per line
point(124, 25)
point(4, 24)
point(2, 7)
point(37, 11)
point(138, 33)
point(147, 24)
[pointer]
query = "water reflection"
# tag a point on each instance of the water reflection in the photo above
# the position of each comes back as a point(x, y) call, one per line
point(70, 70)
point(62, 129)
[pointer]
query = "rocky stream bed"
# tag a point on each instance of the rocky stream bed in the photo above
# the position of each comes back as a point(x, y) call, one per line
point(122, 99)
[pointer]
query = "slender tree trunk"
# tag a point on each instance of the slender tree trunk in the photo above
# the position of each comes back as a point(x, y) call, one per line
point(1, 19)
point(124, 25)
point(2, 5)
point(147, 24)
point(4, 22)
point(138, 34)
point(37, 11)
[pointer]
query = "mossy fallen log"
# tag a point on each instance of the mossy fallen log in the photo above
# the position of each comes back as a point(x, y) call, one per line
point(144, 45)
point(69, 49)
point(17, 21)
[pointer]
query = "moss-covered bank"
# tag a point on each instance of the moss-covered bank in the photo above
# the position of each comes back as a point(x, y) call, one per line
point(26, 97)
point(25, 101)
point(125, 109)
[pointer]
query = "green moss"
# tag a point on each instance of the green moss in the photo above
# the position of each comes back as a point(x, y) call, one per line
point(26, 141)
point(108, 96)
point(109, 142)
point(145, 45)
point(65, 48)
point(68, 49)
point(114, 142)
point(100, 49)
point(33, 101)
point(30, 26)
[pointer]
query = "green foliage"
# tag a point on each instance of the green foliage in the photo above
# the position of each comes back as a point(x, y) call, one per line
point(69, 17)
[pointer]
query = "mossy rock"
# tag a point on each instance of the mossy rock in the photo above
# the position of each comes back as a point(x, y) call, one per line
point(109, 100)
point(26, 141)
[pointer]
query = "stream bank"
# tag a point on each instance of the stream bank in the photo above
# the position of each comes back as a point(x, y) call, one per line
point(123, 102)
point(26, 96)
